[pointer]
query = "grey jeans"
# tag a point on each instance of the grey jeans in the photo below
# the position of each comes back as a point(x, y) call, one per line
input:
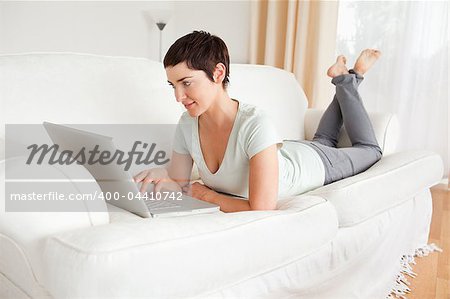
point(346, 108)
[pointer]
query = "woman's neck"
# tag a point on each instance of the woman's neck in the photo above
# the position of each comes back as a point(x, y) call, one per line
point(220, 114)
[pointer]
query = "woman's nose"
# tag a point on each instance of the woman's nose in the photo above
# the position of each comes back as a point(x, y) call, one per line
point(180, 94)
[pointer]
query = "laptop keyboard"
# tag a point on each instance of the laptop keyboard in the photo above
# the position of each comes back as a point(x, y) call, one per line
point(160, 204)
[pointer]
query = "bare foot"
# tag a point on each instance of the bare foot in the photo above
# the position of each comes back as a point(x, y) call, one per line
point(365, 60)
point(338, 68)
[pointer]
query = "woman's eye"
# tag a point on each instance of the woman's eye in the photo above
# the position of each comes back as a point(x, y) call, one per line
point(185, 83)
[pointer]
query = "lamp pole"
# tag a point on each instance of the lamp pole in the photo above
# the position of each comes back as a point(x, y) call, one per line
point(161, 26)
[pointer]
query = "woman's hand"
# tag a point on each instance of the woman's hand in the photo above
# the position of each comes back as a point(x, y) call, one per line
point(157, 176)
point(198, 191)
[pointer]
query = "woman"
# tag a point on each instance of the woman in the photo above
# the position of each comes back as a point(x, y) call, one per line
point(242, 162)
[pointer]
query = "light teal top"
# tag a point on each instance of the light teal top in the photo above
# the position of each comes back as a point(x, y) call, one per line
point(300, 167)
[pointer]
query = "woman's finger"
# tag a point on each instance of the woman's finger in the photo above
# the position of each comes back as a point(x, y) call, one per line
point(158, 186)
point(140, 176)
point(187, 189)
point(145, 184)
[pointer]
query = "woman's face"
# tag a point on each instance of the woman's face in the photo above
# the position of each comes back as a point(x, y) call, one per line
point(192, 88)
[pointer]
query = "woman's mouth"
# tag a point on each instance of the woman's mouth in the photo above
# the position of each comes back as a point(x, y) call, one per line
point(188, 106)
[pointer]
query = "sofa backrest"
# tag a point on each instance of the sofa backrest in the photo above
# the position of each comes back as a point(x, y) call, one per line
point(78, 88)
point(274, 90)
point(84, 88)
point(71, 88)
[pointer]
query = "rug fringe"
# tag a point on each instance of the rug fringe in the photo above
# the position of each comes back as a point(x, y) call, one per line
point(401, 285)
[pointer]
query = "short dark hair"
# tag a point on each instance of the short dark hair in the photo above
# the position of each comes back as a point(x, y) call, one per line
point(201, 51)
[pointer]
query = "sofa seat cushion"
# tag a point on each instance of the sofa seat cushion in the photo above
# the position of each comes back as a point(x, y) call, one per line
point(180, 256)
point(388, 183)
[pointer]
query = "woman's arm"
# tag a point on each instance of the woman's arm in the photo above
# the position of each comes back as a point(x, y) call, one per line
point(263, 179)
point(180, 168)
point(263, 186)
point(172, 178)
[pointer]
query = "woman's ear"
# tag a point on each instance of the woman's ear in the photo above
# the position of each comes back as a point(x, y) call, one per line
point(219, 73)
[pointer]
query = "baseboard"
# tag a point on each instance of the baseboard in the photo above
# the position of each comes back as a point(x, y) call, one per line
point(444, 181)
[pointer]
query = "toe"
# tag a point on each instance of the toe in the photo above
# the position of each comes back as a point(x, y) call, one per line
point(342, 59)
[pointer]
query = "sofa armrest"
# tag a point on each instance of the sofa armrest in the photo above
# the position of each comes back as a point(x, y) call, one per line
point(385, 125)
point(26, 229)
point(389, 182)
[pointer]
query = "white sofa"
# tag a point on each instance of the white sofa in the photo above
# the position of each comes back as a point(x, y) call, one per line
point(343, 240)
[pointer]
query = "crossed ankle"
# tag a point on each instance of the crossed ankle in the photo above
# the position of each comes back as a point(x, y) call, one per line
point(352, 71)
point(343, 79)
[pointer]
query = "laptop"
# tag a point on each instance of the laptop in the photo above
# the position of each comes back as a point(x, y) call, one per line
point(118, 184)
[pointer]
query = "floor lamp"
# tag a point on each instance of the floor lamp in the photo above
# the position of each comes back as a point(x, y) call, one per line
point(160, 26)
point(161, 16)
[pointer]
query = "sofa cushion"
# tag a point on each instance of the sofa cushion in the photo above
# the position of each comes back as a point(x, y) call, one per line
point(180, 256)
point(84, 88)
point(385, 125)
point(274, 90)
point(106, 89)
point(388, 183)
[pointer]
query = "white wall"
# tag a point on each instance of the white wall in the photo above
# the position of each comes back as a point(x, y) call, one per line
point(119, 28)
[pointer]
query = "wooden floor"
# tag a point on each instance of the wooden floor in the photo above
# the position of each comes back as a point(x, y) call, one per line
point(433, 279)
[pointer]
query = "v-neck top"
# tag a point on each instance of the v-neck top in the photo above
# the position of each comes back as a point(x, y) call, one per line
point(300, 166)
point(230, 144)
